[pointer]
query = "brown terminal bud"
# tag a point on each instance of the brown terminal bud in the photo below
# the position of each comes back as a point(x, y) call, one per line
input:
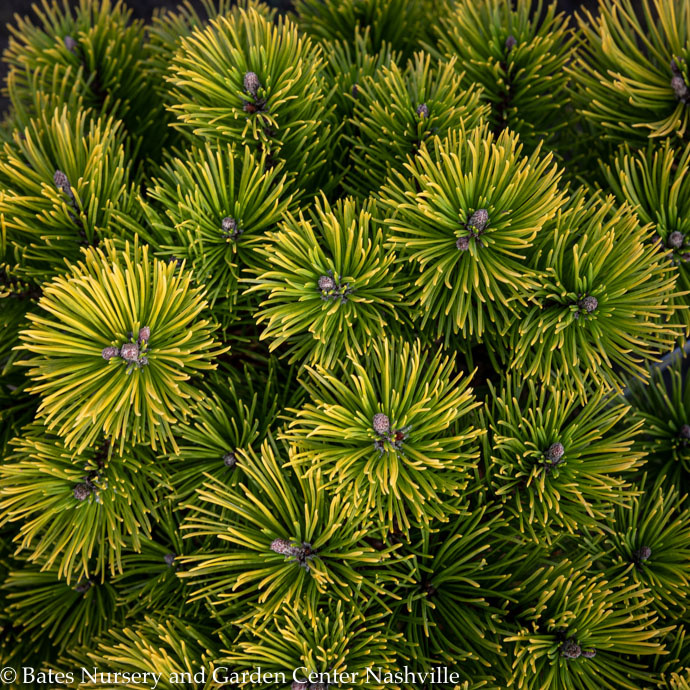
point(642, 554)
point(555, 452)
point(230, 228)
point(70, 44)
point(355, 90)
point(61, 181)
point(680, 88)
point(82, 586)
point(479, 219)
point(675, 239)
point(283, 547)
point(423, 110)
point(589, 653)
point(326, 283)
point(588, 304)
point(144, 333)
point(463, 243)
point(110, 352)
point(511, 42)
point(381, 424)
point(296, 685)
point(130, 352)
point(229, 459)
point(685, 431)
point(251, 83)
point(169, 558)
point(570, 649)
point(82, 491)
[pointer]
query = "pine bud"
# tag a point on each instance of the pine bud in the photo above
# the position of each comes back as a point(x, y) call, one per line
point(130, 352)
point(82, 586)
point(479, 219)
point(685, 431)
point(642, 554)
point(680, 88)
point(675, 239)
point(422, 110)
point(588, 304)
point(326, 284)
point(463, 243)
point(589, 653)
point(283, 547)
point(229, 459)
point(300, 554)
point(70, 44)
point(144, 333)
point(169, 558)
point(381, 424)
point(511, 42)
point(61, 181)
point(251, 83)
point(355, 90)
point(296, 685)
point(570, 649)
point(110, 352)
point(82, 491)
point(555, 452)
point(229, 226)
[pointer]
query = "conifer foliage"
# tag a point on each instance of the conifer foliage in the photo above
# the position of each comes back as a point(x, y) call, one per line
point(119, 338)
point(347, 339)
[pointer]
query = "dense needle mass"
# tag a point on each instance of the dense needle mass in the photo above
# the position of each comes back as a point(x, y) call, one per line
point(339, 343)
